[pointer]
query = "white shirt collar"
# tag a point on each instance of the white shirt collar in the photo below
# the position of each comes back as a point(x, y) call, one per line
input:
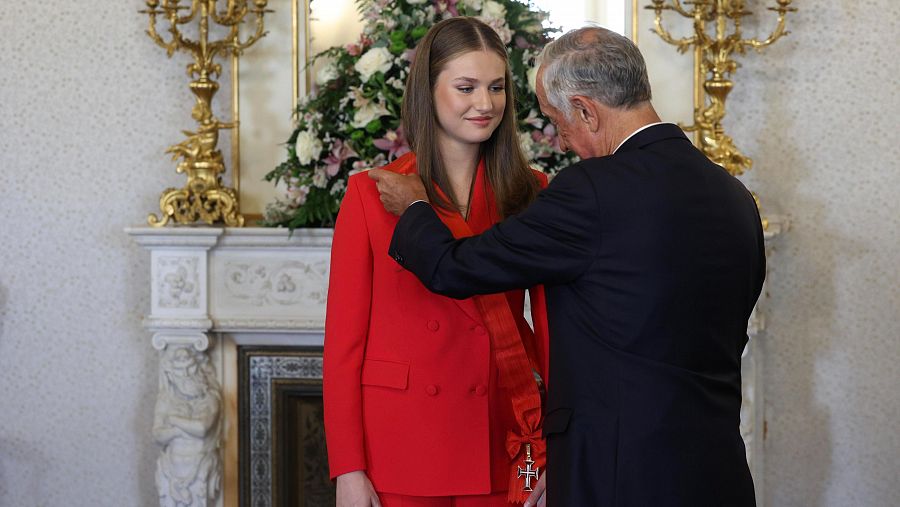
point(638, 130)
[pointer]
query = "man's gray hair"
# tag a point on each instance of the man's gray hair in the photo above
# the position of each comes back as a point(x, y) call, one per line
point(597, 63)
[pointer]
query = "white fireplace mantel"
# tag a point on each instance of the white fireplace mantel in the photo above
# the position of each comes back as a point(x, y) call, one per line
point(257, 286)
point(268, 287)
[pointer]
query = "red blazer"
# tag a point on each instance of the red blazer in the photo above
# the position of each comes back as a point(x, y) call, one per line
point(410, 385)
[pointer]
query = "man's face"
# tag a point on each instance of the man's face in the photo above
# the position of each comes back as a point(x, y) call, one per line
point(573, 135)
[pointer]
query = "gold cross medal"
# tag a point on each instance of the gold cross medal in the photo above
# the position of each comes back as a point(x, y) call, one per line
point(528, 473)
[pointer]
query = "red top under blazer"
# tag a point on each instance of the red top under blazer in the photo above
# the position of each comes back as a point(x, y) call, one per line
point(410, 385)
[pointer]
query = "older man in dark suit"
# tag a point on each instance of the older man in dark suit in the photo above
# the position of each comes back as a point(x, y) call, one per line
point(653, 259)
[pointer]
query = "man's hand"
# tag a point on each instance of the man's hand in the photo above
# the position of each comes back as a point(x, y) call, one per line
point(398, 191)
point(354, 489)
point(538, 497)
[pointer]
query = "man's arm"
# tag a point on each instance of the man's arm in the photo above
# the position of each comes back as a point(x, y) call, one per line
point(551, 242)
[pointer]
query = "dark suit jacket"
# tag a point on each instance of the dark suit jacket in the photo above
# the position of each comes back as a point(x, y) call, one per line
point(653, 259)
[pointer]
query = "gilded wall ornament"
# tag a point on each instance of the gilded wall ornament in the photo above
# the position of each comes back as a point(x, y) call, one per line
point(714, 49)
point(204, 197)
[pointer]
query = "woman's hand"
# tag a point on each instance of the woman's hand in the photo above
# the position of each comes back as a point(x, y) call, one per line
point(354, 489)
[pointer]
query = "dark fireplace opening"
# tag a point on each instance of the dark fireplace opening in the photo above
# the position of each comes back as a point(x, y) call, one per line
point(282, 454)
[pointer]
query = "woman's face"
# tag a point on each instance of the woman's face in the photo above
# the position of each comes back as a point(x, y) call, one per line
point(470, 97)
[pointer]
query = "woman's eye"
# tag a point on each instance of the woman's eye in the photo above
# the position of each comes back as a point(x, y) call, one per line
point(465, 89)
point(497, 88)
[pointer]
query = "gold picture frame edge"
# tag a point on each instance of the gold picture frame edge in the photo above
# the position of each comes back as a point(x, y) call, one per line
point(698, 91)
point(295, 95)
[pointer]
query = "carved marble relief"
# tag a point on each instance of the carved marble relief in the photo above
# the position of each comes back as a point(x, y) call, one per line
point(283, 283)
point(178, 282)
point(187, 426)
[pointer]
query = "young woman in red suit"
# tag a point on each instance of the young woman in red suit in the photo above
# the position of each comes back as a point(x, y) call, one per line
point(414, 411)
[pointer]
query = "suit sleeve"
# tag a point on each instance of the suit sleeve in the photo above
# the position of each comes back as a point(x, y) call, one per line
point(551, 242)
point(346, 331)
point(539, 317)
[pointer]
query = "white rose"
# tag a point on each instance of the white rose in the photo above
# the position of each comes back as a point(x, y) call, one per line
point(527, 144)
point(374, 60)
point(367, 113)
point(473, 5)
point(532, 77)
point(320, 178)
point(493, 10)
point(503, 31)
point(308, 146)
point(416, 2)
point(326, 74)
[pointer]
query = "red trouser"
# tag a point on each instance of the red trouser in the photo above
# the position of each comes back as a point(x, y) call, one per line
point(492, 500)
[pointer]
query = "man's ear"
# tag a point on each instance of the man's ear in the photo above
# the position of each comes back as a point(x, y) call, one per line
point(586, 111)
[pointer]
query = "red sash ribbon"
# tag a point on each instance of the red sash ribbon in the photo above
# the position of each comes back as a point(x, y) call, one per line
point(515, 367)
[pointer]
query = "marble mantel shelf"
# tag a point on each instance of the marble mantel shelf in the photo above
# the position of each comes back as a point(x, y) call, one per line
point(267, 286)
point(254, 279)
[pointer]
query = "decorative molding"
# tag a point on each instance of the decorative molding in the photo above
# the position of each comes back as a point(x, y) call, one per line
point(264, 325)
point(165, 340)
point(175, 323)
point(775, 225)
point(178, 282)
point(757, 323)
point(267, 237)
point(748, 405)
point(193, 237)
point(752, 423)
point(277, 282)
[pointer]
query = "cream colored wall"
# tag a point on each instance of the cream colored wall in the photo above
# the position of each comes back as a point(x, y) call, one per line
point(88, 104)
point(818, 112)
point(87, 107)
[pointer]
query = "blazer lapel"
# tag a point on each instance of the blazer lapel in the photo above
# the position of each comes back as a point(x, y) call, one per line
point(481, 213)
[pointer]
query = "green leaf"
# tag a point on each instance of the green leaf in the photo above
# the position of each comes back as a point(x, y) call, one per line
point(419, 32)
point(374, 126)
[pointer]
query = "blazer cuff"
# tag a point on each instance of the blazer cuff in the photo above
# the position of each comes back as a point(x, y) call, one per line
point(341, 468)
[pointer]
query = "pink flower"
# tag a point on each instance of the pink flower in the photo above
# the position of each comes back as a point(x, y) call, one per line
point(394, 143)
point(339, 153)
point(545, 141)
point(550, 135)
point(357, 49)
point(447, 5)
point(534, 120)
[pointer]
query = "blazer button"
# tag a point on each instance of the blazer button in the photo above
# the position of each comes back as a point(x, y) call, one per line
point(433, 325)
point(432, 390)
point(398, 258)
point(480, 390)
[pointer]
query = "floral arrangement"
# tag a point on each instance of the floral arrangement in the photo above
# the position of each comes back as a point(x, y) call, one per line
point(351, 121)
